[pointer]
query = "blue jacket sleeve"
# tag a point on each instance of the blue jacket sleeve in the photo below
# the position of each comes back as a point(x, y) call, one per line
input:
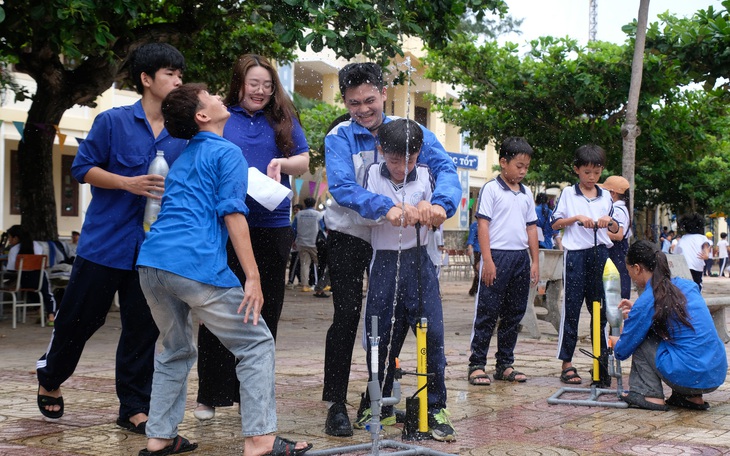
point(637, 325)
point(447, 193)
point(341, 178)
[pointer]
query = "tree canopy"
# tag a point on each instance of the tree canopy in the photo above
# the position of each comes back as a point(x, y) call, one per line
point(560, 95)
point(699, 44)
point(76, 49)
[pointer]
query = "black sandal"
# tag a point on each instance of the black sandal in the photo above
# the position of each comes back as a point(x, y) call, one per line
point(473, 378)
point(569, 374)
point(679, 400)
point(286, 447)
point(512, 377)
point(637, 400)
point(48, 401)
point(179, 445)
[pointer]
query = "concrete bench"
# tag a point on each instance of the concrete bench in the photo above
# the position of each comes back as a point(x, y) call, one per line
point(551, 275)
point(551, 271)
point(716, 304)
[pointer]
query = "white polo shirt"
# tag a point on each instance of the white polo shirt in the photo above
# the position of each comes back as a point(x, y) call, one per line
point(572, 202)
point(690, 245)
point(419, 187)
point(509, 213)
point(621, 215)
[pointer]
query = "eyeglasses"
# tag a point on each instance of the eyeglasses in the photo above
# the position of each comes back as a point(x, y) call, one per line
point(267, 88)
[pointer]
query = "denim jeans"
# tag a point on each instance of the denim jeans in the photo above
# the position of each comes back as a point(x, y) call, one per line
point(171, 298)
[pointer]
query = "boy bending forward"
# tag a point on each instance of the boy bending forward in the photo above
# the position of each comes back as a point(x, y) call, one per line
point(391, 178)
point(183, 267)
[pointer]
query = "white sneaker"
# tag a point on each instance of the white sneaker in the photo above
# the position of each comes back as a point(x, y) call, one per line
point(203, 412)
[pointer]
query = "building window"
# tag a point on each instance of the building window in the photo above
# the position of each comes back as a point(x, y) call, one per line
point(69, 189)
point(14, 183)
point(421, 115)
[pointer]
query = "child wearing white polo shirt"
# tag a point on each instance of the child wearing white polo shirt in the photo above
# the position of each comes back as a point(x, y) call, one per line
point(410, 186)
point(581, 208)
point(507, 229)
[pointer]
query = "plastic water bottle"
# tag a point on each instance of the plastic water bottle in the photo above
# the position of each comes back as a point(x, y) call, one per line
point(612, 288)
point(152, 209)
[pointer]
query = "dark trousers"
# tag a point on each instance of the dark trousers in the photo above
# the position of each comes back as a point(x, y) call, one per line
point(217, 381)
point(294, 268)
point(349, 257)
point(475, 281)
point(408, 312)
point(697, 277)
point(583, 281)
point(505, 300)
point(271, 248)
point(87, 300)
point(218, 384)
point(617, 253)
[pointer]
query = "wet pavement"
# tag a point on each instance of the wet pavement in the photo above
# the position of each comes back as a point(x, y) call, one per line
point(501, 419)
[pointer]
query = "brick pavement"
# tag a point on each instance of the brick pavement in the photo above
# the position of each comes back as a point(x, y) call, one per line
point(501, 419)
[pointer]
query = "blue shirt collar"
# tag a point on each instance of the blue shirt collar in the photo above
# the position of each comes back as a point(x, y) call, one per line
point(578, 192)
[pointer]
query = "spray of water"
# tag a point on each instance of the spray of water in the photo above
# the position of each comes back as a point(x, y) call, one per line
point(408, 70)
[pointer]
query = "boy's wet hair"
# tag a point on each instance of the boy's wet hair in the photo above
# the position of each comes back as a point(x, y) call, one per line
point(589, 154)
point(514, 146)
point(396, 135)
point(692, 223)
point(309, 202)
point(179, 108)
point(151, 57)
point(356, 74)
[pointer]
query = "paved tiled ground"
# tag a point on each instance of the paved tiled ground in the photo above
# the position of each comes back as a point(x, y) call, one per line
point(502, 419)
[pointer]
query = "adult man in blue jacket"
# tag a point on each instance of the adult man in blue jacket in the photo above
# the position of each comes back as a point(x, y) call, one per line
point(350, 147)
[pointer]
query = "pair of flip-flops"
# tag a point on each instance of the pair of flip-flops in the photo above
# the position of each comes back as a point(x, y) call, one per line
point(49, 401)
point(282, 447)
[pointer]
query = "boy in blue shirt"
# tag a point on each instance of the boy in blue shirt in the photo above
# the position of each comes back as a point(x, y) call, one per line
point(183, 268)
point(400, 179)
point(507, 231)
point(114, 159)
point(581, 208)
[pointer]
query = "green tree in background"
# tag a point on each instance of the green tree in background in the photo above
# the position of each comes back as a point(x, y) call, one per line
point(76, 49)
point(561, 95)
point(700, 44)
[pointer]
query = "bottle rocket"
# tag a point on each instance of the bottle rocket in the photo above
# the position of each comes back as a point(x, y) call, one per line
point(153, 206)
point(612, 289)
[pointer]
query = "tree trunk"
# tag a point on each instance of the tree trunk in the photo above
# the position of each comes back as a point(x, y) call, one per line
point(630, 129)
point(35, 163)
point(58, 89)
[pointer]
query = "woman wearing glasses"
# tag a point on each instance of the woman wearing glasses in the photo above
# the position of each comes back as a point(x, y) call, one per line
point(265, 125)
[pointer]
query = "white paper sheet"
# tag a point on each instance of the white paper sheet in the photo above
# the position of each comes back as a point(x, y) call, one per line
point(265, 190)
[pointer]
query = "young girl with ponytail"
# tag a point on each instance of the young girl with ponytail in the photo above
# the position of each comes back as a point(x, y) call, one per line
point(670, 335)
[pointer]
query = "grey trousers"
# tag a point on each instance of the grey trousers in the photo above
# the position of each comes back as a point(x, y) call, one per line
point(646, 379)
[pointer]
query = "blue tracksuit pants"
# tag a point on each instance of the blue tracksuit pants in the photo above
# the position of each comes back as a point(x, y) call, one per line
point(582, 281)
point(505, 300)
point(408, 312)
